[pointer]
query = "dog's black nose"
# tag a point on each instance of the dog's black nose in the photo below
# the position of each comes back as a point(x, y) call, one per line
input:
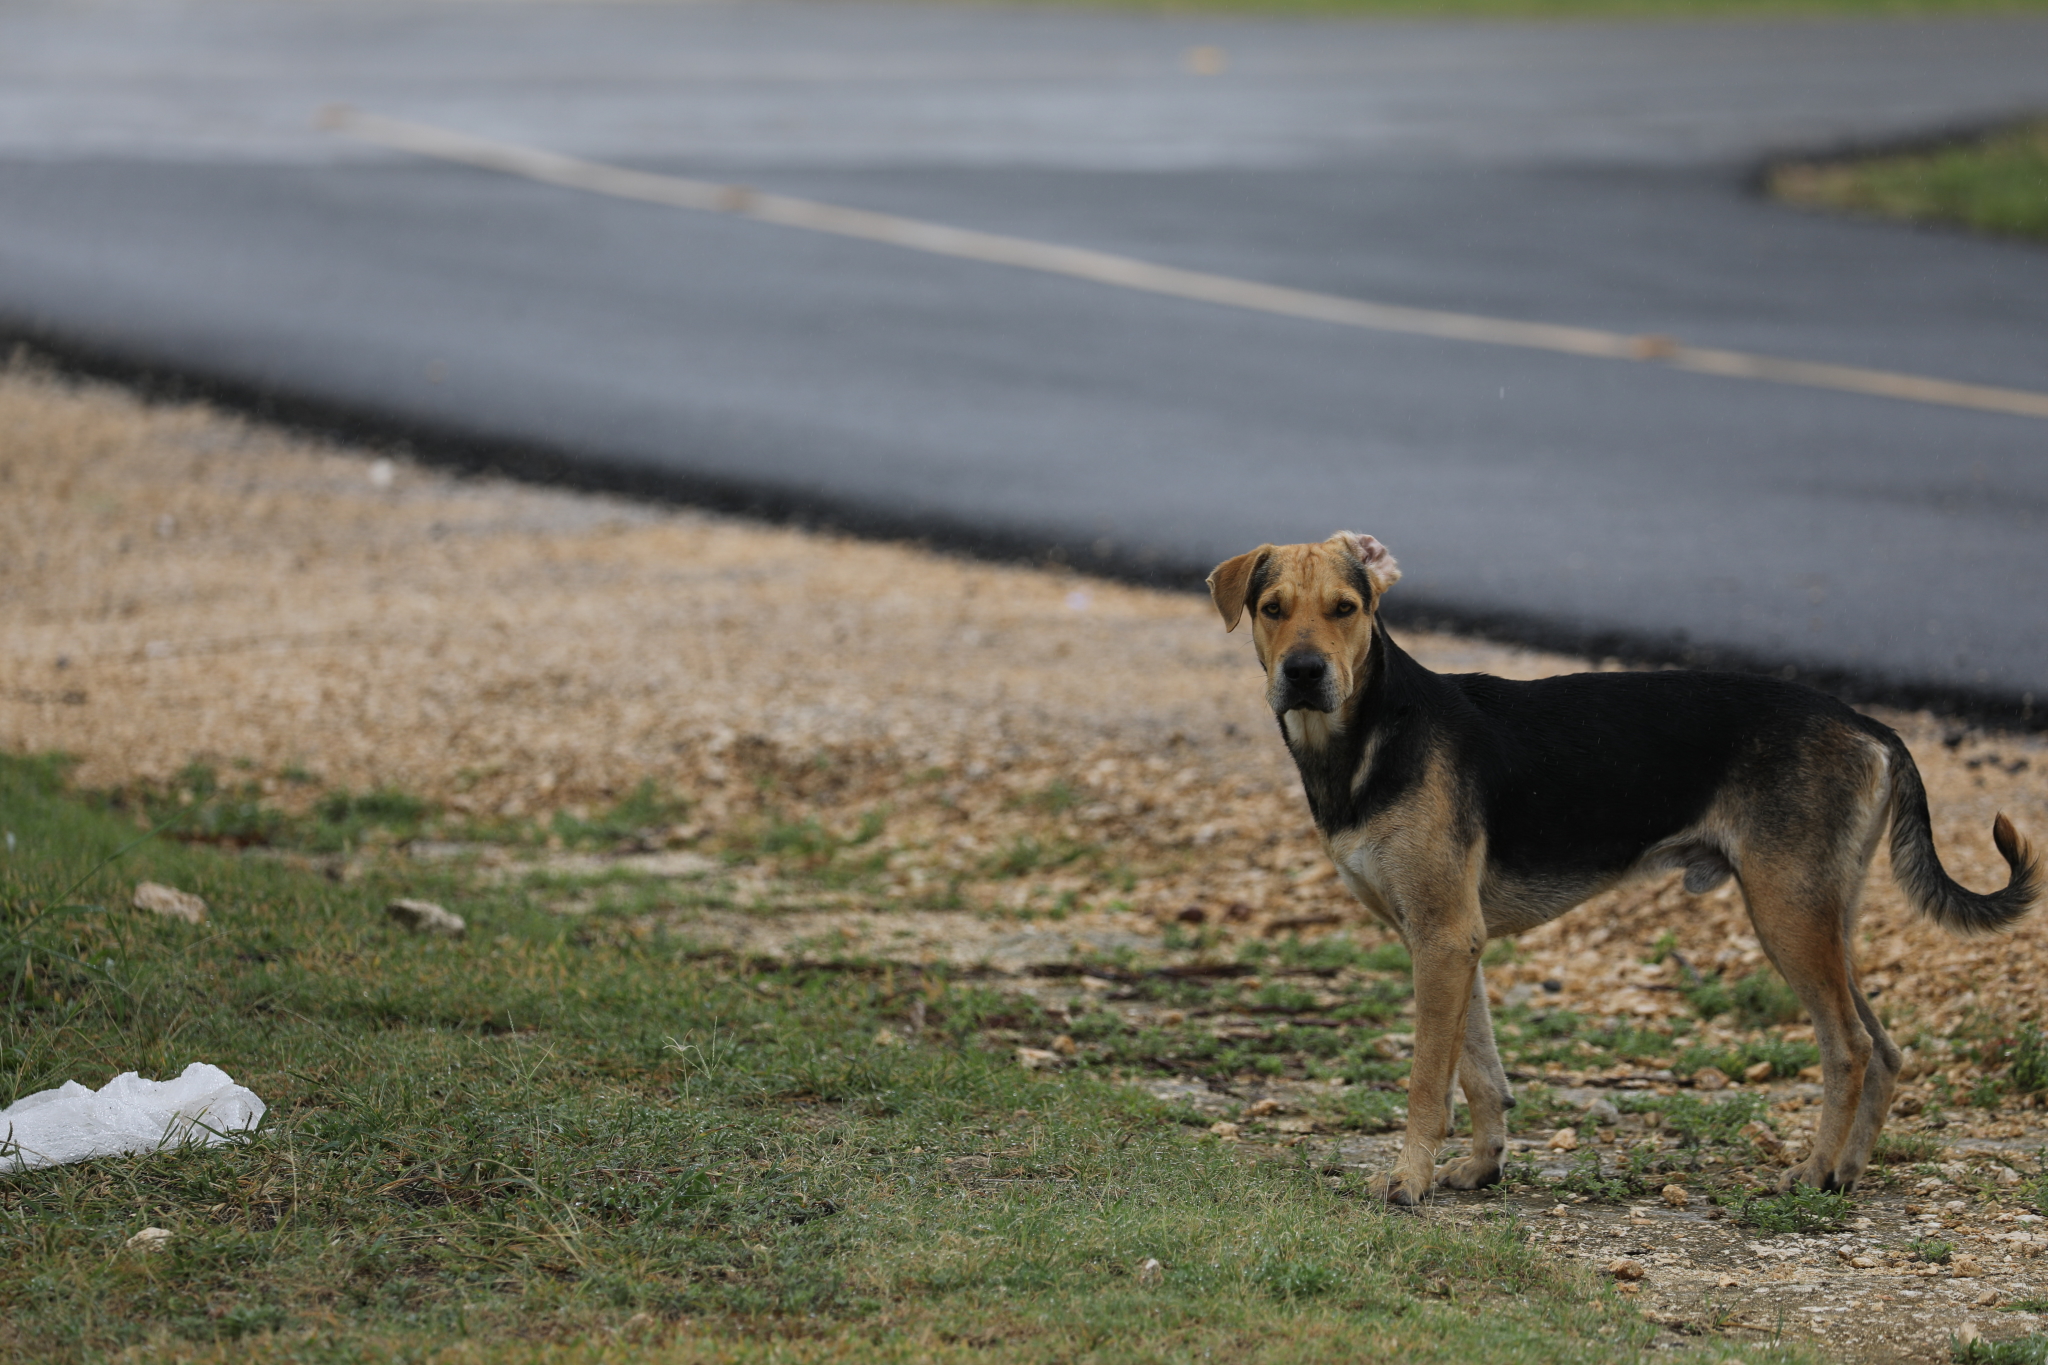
point(1304, 670)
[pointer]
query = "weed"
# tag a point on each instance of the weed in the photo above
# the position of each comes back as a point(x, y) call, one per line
point(2029, 1350)
point(1175, 939)
point(1387, 957)
point(2028, 1070)
point(1988, 1093)
point(1786, 1057)
point(1801, 1209)
point(1759, 1000)
point(1931, 1251)
point(1372, 1111)
point(1904, 1149)
point(639, 815)
point(1763, 1000)
point(1697, 1122)
point(1585, 1177)
point(1709, 998)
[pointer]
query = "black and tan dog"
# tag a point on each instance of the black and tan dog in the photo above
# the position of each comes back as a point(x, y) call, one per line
point(1461, 808)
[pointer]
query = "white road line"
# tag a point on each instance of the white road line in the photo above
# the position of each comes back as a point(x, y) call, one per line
point(1126, 272)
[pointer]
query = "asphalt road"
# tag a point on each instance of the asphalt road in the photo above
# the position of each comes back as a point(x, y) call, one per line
point(166, 202)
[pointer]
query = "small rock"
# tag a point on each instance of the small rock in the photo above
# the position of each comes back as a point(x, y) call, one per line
point(1675, 1196)
point(1964, 1265)
point(169, 902)
point(1173, 1018)
point(1564, 1140)
point(1759, 1072)
point(888, 1037)
point(1968, 1333)
point(640, 1327)
point(1038, 1059)
point(1556, 1211)
point(1225, 1129)
point(425, 917)
point(1065, 1045)
point(1258, 1109)
point(1766, 1141)
point(1151, 1272)
point(1621, 1268)
point(1986, 1299)
point(1864, 1262)
point(1710, 1078)
point(149, 1239)
point(2006, 1175)
point(1603, 1113)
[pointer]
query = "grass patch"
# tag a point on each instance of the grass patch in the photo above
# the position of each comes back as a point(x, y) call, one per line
point(1801, 1209)
point(2029, 1350)
point(1997, 183)
point(1905, 1149)
point(1698, 1123)
point(535, 1135)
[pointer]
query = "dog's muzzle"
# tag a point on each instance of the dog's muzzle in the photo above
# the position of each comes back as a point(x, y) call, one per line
point(1305, 683)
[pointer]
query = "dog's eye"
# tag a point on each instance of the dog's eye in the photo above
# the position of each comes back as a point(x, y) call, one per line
point(1271, 609)
point(1344, 608)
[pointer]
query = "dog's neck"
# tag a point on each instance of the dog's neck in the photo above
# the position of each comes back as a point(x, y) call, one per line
point(1334, 751)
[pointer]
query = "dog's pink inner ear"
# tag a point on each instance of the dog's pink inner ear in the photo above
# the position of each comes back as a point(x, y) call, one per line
point(1378, 560)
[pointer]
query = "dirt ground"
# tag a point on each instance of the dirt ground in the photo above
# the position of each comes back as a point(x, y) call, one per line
point(1043, 772)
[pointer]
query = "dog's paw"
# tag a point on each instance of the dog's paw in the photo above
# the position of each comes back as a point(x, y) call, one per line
point(1469, 1173)
point(1812, 1172)
point(1403, 1192)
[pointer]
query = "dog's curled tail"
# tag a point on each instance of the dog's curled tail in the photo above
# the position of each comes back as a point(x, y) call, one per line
point(1919, 872)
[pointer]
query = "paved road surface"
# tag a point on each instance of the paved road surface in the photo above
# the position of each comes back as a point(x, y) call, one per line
point(165, 200)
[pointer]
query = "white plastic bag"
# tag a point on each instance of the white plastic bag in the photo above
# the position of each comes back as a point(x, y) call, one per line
point(125, 1116)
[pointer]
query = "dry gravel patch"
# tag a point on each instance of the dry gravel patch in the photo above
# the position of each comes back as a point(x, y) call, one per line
point(876, 752)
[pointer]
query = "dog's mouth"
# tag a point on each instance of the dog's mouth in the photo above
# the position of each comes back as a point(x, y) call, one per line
point(1303, 682)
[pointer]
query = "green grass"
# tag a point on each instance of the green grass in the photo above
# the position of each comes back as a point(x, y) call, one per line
point(1801, 1209)
point(2030, 1350)
point(518, 1143)
point(1996, 184)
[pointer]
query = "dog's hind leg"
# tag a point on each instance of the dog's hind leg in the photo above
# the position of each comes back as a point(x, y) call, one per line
point(1803, 924)
point(1878, 1084)
point(1485, 1082)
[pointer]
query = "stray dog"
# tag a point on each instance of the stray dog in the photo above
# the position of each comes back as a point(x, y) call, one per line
point(1460, 808)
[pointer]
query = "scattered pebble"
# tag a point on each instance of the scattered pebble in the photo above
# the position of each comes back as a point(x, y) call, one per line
point(425, 917)
point(149, 1239)
point(171, 903)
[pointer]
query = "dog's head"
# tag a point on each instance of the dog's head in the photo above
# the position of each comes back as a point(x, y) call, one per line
point(1312, 611)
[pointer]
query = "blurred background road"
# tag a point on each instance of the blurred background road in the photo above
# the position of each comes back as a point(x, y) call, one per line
point(166, 202)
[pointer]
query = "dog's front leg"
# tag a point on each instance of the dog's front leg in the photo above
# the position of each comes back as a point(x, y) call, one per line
point(1446, 956)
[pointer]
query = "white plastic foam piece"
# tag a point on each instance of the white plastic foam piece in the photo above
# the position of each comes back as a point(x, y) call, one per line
point(125, 1116)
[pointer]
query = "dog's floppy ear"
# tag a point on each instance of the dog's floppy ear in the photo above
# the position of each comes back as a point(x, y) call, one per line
point(1377, 559)
point(1230, 585)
